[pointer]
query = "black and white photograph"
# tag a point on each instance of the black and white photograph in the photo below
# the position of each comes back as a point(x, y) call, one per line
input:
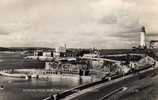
point(78, 49)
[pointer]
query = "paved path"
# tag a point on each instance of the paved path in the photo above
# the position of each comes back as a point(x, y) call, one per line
point(99, 91)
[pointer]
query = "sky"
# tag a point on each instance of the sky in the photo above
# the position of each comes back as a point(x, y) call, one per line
point(78, 23)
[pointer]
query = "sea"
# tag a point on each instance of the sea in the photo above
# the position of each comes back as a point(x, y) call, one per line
point(38, 89)
point(34, 89)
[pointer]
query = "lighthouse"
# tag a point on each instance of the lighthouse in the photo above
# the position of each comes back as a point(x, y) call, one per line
point(143, 37)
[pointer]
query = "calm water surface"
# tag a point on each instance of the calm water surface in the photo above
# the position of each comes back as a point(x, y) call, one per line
point(21, 89)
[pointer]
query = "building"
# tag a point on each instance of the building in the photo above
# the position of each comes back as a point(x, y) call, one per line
point(60, 52)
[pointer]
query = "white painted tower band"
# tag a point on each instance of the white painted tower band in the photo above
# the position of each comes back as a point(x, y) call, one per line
point(142, 37)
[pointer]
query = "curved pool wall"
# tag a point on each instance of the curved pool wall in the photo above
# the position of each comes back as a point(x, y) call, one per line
point(33, 73)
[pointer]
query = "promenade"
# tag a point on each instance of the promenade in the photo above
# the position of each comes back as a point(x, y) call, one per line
point(99, 91)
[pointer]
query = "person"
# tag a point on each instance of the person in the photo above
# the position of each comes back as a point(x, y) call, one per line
point(56, 96)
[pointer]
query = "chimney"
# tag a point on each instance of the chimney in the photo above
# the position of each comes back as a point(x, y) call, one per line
point(65, 46)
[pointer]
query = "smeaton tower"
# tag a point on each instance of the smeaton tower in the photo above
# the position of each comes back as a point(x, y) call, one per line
point(143, 37)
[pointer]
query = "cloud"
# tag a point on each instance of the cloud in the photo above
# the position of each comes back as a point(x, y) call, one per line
point(110, 19)
point(79, 23)
point(3, 32)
